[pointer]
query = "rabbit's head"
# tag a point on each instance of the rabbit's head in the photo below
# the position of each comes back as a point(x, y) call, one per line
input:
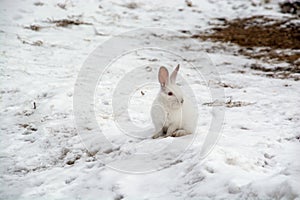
point(171, 94)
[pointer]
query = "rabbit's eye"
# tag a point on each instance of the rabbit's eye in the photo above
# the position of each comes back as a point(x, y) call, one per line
point(170, 93)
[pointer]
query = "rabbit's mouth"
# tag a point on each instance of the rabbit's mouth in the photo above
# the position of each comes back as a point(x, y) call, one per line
point(176, 104)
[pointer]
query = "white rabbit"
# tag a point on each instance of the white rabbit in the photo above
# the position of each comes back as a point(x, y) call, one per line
point(172, 113)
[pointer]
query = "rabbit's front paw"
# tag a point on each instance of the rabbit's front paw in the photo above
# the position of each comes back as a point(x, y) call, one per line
point(179, 133)
point(157, 135)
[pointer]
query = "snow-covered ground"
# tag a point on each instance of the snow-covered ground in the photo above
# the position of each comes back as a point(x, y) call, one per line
point(42, 153)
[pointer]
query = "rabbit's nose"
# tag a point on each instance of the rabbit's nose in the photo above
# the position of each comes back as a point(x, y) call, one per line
point(182, 100)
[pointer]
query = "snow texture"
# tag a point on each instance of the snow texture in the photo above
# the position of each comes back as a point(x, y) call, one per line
point(42, 154)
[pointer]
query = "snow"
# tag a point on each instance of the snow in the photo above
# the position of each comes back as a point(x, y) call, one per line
point(45, 156)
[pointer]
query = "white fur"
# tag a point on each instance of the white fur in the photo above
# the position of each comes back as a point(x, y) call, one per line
point(170, 116)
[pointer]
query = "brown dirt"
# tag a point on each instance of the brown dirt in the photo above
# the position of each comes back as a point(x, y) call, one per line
point(278, 72)
point(278, 39)
point(58, 23)
point(33, 27)
point(228, 104)
point(68, 22)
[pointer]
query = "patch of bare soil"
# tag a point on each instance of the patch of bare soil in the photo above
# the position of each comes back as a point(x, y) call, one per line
point(292, 7)
point(261, 37)
point(228, 104)
point(58, 23)
point(273, 36)
point(68, 22)
point(33, 27)
point(278, 72)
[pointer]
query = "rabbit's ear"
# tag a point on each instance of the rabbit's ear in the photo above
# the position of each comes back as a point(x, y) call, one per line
point(174, 74)
point(163, 76)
